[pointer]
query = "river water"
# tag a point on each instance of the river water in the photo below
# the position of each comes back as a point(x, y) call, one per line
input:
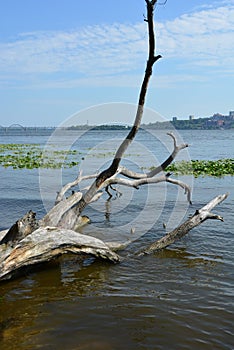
point(179, 298)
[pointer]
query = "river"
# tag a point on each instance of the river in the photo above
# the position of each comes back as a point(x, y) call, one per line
point(179, 298)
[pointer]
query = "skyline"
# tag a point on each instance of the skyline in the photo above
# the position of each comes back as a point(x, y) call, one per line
point(58, 59)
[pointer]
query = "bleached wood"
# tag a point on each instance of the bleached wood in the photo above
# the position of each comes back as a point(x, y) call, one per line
point(133, 175)
point(53, 217)
point(61, 195)
point(47, 243)
point(199, 216)
point(149, 180)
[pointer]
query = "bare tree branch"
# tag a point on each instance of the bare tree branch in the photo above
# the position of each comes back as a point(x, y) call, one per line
point(133, 175)
point(148, 72)
point(187, 189)
point(68, 186)
point(47, 243)
point(150, 180)
point(200, 216)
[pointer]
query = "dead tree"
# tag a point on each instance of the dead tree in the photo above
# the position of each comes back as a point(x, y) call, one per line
point(30, 241)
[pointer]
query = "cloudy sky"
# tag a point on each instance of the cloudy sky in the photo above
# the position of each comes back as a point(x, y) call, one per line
point(60, 57)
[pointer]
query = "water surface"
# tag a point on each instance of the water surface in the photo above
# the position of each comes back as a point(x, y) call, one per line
point(179, 298)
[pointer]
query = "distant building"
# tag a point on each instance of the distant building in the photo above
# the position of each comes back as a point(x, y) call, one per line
point(216, 121)
point(220, 122)
point(217, 116)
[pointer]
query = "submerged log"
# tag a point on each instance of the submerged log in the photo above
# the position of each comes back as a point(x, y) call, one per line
point(47, 243)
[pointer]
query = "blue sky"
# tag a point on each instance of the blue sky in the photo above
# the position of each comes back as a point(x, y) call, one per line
point(59, 57)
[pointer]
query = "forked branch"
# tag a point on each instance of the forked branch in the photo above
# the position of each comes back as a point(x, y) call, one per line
point(133, 175)
point(61, 194)
point(150, 180)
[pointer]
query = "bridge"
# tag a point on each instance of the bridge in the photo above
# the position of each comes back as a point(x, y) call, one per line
point(16, 126)
point(25, 130)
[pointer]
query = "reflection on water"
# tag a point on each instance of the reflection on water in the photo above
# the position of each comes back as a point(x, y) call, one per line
point(179, 298)
point(171, 298)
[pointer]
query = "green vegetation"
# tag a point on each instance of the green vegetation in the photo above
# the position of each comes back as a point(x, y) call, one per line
point(197, 168)
point(31, 156)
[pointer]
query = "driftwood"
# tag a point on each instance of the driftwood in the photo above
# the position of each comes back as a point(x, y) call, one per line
point(199, 216)
point(47, 243)
point(29, 242)
point(22, 228)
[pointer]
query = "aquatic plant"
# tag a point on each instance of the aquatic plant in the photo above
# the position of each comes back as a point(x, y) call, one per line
point(32, 156)
point(197, 168)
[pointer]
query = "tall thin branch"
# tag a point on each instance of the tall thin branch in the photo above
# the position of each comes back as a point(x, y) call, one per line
point(113, 168)
point(137, 122)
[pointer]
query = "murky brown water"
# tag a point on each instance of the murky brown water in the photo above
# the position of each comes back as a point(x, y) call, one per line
point(172, 299)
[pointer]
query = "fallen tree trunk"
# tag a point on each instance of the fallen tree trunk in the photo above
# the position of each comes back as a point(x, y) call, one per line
point(200, 216)
point(47, 243)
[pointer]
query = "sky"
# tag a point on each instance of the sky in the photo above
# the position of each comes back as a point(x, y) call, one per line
point(61, 57)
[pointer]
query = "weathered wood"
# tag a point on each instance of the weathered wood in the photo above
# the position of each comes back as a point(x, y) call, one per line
point(47, 243)
point(61, 194)
point(200, 216)
point(23, 227)
point(3, 233)
point(67, 212)
point(53, 217)
point(150, 180)
point(133, 175)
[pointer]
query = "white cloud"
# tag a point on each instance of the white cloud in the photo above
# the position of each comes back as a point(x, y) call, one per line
point(114, 54)
point(199, 35)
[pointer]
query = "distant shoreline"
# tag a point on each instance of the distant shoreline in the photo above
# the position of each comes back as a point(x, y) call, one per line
point(151, 126)
point(216, 122)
